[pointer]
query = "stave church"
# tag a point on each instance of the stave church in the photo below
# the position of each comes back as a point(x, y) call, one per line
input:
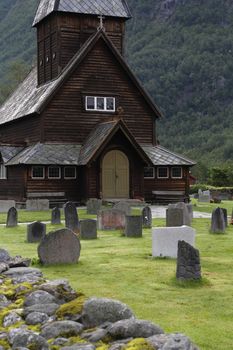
point(81, 125)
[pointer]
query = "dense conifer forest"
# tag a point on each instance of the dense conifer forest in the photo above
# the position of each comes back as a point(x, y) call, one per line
point(181, 50)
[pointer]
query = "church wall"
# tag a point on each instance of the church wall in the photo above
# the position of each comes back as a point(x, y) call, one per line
point(14, 186)
point(24, 131)
point(65, 118)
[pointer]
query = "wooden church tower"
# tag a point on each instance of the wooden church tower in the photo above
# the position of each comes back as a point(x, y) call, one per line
point(81, 125)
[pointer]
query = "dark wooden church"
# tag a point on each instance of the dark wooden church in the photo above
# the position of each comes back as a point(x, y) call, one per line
point(81, 125)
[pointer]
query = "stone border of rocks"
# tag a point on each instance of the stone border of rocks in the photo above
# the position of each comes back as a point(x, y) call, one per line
point(39, 314)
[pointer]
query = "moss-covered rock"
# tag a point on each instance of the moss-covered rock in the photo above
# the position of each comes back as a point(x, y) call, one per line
point(138, 344)
point(71, 308)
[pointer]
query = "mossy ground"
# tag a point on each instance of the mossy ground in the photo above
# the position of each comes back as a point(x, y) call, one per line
point(122, 268)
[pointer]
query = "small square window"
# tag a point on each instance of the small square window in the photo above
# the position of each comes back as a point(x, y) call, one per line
point(90, 103)
point(70, 172)
point(149, 173)
point(54, 172)
point(162, 173)
point(110, 104)
point(177, 172)
point(100, 103)
point(38, 172)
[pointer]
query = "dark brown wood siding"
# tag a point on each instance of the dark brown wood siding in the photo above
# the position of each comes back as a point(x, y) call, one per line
point(65, 118)
point(71, 188)
point(61, 35)
point(14, 186)
point(166, 184)
point(23, 131)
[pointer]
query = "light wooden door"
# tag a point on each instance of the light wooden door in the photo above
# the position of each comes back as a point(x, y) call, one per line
point(115, 175)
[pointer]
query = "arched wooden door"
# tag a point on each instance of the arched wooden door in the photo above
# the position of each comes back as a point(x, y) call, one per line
point(115, 175)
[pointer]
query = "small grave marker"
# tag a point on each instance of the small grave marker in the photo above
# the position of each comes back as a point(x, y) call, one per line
point(88, 229)
point(12, 217)
point(71, 217)
point(35, 232)
point(188, 262)
point(56, 216)
point(133, 226)
point(146, 217)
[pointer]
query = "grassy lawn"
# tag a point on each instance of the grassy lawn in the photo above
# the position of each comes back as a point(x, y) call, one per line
point(209, 207)
point(122, 268)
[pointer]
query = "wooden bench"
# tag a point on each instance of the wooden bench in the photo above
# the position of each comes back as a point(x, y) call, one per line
point(165, 197)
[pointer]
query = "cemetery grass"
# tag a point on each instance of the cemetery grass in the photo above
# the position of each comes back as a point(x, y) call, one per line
point(209, 207)
point(122, 268)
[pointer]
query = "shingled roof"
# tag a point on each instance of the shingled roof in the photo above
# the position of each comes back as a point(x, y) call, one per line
point(47, 154)
point(8, 152)
point(111, 8)
point(162, 156)
point(29, 99)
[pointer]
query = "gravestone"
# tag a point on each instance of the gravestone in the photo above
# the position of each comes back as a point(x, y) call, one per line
point(225, 216)
point(12, 217)
point(218, 221)
point(123, 206)
point(56, 216)
point(71, 217)
point(59, 247)
point(231, 218)
point(188, 262)
point(165, 240)
point(178, 215)
point(111, 219)
point(88, 229)
point(146, 217)
point(93, 206)
point(203, 197)
point(133, 226)
point(190, 211)
point(37, 204)
point(35, 232)
point(5, 205)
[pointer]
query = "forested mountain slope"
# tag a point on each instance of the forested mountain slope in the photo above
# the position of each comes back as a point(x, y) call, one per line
point(181, 50)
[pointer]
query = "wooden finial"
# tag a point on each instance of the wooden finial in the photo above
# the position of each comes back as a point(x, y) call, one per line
point(101, 26)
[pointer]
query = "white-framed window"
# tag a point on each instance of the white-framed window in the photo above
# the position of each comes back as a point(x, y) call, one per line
point(162, 172)
point(3, 172)
point(176, 172)
point(70, 172)
point(54, 172)
point(38, 172)
point(149, 172)
point(99, 103)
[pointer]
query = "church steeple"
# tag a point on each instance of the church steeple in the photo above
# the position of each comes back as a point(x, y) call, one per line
point(63, 26)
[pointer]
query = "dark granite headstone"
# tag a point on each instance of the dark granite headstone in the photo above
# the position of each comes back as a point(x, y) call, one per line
point(133, 226)
point(56, 216)
point(174, 217)
point(35, 232)
point(71, 217)
point(178, 214)
point(59, 247)
point(111, 219)
point(146, 217)
point(225, 216)
point(218, 221)
point(88, 229)
point(93, 206)
point(188, 262)
point(12, 217)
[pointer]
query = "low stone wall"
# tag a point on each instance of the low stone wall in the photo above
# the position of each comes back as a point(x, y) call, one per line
point(37, 314)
